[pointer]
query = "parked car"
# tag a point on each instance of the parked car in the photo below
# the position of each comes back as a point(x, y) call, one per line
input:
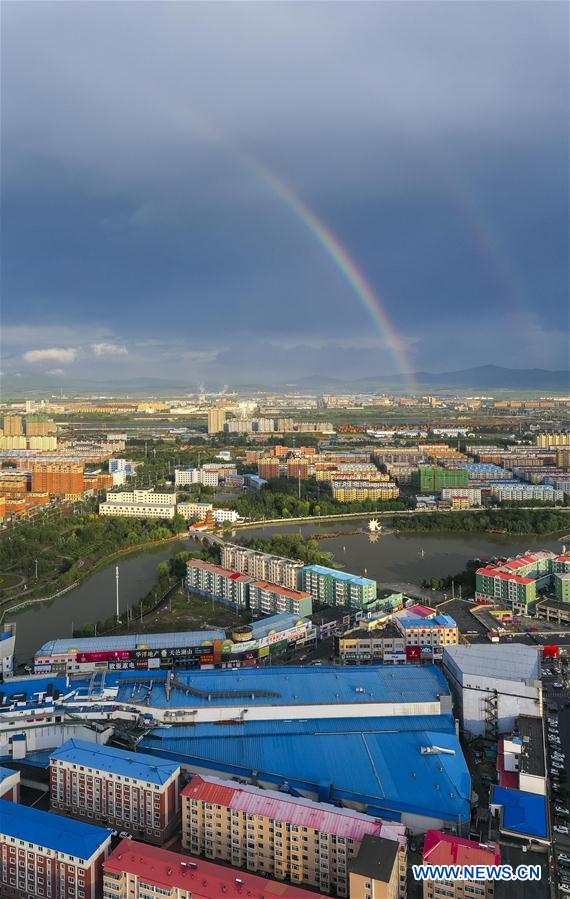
point(558, 685)
point(125, 836)
point(561, 828)
point(563, 857)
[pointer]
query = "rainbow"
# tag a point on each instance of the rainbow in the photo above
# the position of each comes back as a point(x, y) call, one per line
point(343, 262)
point(336, 252)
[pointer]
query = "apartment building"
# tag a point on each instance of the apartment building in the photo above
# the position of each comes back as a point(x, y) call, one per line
point(272, 599)
point(139, 504)
point(544, 493)
point(215, 581)
point(262, 566)
point(445, 849)
point(129, 791)
point(338, 588)
point(57, 478)
point(378, 871)
point(47, 856)
point(357, 490)
point(9, 785)
point(276, 834)
point(216, 420)
point(472, 494)
point(147, 872)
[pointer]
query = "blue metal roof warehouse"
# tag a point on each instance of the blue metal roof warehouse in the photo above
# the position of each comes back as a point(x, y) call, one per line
point(51, 831)
point(130, 642)
point(379, 763)
point(298, 685)
point(137, 765)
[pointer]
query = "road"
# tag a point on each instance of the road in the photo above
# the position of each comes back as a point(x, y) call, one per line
point(557, 707)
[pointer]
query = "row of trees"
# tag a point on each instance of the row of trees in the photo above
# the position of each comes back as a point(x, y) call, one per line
point(280, 499)
point(66, 545)
point(509, 521)
point(292, 546)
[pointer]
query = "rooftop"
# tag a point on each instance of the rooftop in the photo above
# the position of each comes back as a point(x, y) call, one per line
point(296, 685)
point(283, 807)
point(51, 831)
point(426, 623)
point(503, 660)
point(339, 575)
point(531, 759)
point(522, 813)
point(130, 642)
point(137, 765)
point(282, 591)
point(276, 623)
point(375, 858)
point(445, 849)
point(388, 773)
point(203, 879)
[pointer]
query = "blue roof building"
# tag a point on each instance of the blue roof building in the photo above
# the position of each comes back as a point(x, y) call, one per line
point(522, 814)
point(401, 768)
point(129, 642)
point(294, 686)
point(426, 623)
point(136, 765)
point(50, 831)
point(338, 588)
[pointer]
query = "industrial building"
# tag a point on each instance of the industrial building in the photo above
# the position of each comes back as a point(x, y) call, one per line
point(447, 849)
point(147, 872)
point(493, 684)
point(338, 588)
point(279, 835)
point(300, 725)
point(47, 855)
point(9, 785)
point(127, 790)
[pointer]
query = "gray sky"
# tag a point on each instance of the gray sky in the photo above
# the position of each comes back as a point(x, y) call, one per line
point(430, 138)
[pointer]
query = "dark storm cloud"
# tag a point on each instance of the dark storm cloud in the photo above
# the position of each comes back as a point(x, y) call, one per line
point(432, 137)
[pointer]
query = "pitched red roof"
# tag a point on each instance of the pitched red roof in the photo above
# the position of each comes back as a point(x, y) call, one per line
point(204, 880)
point(297, 811)
point(445, 849)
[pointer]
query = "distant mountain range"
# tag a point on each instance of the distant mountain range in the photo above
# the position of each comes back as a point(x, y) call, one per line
point(482, 377)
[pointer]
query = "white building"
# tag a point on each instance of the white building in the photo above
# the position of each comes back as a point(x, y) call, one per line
point(493, 684)
point(544, 493)
point(473, 494)
point(187, 476)
point(139, 504)
point(221, 515)
point(194, 511)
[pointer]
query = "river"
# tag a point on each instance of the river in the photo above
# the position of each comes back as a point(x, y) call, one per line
point(94, 599)
point(391, 559)
point(411, 558)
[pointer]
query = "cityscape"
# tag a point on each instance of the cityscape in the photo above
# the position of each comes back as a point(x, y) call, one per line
point(285, 451)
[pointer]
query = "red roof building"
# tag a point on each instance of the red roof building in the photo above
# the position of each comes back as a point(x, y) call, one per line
point(133, 867)
point(446, 849)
